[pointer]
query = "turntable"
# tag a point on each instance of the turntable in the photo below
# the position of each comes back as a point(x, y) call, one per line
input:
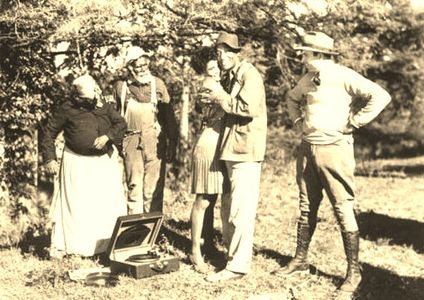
point(132, 248)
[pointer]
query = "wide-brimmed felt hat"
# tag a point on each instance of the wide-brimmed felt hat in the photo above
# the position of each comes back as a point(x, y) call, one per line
point(229, 39)
point(85, 86)
point(317, 42)
point(135, 52)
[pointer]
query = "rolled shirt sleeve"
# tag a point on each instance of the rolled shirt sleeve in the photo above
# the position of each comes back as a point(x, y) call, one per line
point(378, 98)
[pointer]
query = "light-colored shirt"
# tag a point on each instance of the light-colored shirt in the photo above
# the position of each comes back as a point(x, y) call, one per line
point(330, 98)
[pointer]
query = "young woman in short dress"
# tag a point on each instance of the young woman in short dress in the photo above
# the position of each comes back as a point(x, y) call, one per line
point(207, 174)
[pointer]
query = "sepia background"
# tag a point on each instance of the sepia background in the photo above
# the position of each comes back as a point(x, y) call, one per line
point(44, 44)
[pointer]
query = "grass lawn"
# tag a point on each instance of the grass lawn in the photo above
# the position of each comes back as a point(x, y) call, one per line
point(390, 211)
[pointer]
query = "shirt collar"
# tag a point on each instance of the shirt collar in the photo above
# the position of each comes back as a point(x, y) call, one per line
point(235, 69)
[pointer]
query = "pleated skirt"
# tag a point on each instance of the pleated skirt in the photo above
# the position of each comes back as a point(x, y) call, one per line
point(87, 203)
point(207, 175)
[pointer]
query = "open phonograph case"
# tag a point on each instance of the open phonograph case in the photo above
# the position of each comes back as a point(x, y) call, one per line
point(132, 248)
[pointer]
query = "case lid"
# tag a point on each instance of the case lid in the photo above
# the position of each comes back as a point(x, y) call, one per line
point(134, 233)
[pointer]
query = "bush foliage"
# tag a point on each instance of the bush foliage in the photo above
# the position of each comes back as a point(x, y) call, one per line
point(46, 43)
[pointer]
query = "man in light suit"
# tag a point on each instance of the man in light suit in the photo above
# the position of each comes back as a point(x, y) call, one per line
point(242, 96)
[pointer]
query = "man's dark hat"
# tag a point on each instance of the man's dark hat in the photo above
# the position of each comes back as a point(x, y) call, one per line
point(229, 39)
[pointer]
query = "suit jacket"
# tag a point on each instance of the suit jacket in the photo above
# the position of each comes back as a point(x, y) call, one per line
point(245, 123)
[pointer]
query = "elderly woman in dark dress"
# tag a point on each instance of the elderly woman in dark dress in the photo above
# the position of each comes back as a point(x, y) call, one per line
point(91, 193)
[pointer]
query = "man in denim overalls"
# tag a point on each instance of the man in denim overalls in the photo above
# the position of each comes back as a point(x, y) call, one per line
point(144, 102)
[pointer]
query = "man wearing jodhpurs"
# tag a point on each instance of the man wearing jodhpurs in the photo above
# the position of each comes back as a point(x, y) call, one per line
point(323, 106)
point(144, 102)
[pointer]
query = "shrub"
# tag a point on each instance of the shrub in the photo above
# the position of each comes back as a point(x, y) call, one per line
point(387, 40)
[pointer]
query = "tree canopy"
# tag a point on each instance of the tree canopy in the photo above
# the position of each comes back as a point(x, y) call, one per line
point(45, 43)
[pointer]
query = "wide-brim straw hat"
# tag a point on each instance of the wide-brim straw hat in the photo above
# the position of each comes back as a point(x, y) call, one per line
point(135, 52)
point(229, 39)
point(317, 42)
point(85, 86)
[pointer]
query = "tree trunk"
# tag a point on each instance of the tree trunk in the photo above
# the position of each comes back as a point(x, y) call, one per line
point(184, 123)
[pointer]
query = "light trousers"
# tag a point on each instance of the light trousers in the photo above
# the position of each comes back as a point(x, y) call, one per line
point(330, 168)
point(238, 212)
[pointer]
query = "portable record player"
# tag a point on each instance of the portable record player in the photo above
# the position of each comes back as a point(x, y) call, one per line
point(132, 248)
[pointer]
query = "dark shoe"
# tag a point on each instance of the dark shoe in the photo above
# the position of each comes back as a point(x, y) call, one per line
point(224, 275)
point(304, 235)
point(351, 282)
point(295, 266)
point(299, 263)
point(353, 274)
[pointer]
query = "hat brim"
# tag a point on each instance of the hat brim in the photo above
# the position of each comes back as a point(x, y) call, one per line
point(236, 49)
point(132, 59)
point(306, 48)
point(129, 62)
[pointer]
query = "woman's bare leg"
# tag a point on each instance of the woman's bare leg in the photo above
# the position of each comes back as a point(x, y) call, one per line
point(201, 220)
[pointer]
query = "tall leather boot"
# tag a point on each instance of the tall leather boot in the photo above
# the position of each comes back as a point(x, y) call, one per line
point(299, 263)
point(353, 274)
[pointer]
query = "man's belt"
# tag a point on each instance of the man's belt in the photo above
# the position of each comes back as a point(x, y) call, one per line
point(132, 132)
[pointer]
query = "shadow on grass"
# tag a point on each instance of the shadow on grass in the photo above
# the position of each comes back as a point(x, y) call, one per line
point(414, 170)
point(401, 171)
point(283, 260)
point(186, 226)
point(375, 226)
point(176, 239)
point(380, 284)
point(176, 231)
point(39, 247)
point(272, 254)
point(179, 225)
point(377, 283)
